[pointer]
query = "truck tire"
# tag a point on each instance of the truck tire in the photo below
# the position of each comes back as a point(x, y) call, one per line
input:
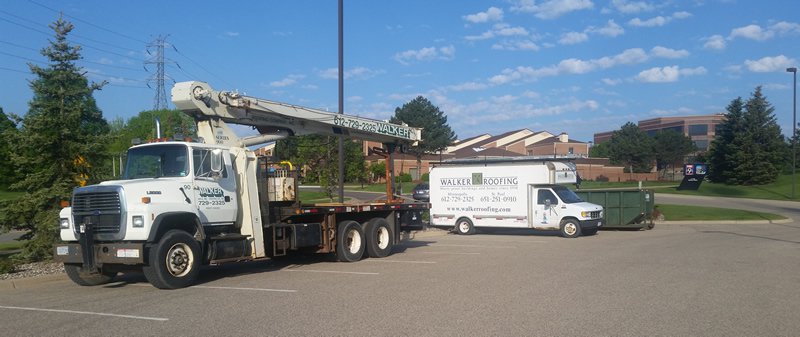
point(464, 226)
point(379, 238)
point(570, 228)
point(74, 273)
point(349, 241)
point(174, 262)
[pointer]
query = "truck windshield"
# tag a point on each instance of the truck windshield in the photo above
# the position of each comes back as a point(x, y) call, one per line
point(168, 160)
point(566, 195)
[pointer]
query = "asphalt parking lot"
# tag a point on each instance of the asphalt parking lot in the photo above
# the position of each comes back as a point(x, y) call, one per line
point(675, 280)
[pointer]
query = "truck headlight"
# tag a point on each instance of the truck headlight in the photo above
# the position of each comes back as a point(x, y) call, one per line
point(138, 221)
point(64, 222)
point(585, 214)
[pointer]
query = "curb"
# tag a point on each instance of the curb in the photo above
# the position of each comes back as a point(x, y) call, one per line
point(725, 222)
point(27, 282)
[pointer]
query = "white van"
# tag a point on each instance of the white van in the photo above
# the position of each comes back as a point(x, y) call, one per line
point(511, 193)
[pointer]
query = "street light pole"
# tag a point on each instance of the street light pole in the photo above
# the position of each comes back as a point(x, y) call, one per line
point(793, 70)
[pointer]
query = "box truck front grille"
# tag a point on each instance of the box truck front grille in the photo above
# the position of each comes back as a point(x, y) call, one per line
point(103, 209)
point(595, 214)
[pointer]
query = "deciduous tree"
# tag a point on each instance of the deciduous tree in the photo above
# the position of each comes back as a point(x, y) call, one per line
point(632, 147)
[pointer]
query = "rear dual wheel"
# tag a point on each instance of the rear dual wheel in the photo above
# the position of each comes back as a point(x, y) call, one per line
point(380, 238)
point(350, 241)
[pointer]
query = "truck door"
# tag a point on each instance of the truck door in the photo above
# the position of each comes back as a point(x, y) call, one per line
point(545, 207)
point(214, 193)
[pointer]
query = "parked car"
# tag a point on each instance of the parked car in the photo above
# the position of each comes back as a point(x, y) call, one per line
point(422, 192)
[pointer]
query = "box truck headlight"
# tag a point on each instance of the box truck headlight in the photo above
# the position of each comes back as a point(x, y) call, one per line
point(138, 221)
point(585, 214)
point(64, 223)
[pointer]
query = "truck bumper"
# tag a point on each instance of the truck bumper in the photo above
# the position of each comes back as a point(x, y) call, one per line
point(591, 224)
point(111, 253)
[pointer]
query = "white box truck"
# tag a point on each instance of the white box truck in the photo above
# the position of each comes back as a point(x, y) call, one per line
point(512, 193)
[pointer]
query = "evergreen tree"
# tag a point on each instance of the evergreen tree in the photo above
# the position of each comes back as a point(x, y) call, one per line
point(633, 147)
point(749, 148)
point(725, 149)
point(7, 174)
point(599, 150)
point(436, 133)
point(763, 143)
point(670, 147)
point(61, 144)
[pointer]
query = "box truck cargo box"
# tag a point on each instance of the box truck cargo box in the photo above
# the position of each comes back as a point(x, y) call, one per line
point(510, 193)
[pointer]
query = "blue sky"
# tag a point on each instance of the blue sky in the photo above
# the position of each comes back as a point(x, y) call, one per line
point(575, 66)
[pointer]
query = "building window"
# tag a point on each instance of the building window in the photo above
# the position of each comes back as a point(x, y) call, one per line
point(698, 130)
point(702, 145)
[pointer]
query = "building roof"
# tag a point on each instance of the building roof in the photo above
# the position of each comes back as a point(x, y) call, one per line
point(551, 140)
point(490, 152)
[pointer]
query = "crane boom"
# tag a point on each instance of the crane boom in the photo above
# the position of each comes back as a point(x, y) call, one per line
point(200, 101)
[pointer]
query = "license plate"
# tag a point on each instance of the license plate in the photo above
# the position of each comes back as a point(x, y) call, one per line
point(62, 250)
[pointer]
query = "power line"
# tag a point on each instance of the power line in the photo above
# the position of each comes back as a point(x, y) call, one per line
point(201, 67)
point(15, 70)
point(23, 57)
point(82, 45)
point(88, 23)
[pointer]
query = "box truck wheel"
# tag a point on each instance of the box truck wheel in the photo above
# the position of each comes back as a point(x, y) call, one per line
point(464, 226)
point(379, 238)
point(174, 262)
point(349, 241)
point(75, 274)
point(570, 228)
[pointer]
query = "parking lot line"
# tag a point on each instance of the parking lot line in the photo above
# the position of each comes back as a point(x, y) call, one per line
point(330, 271)
point(400, 261)
point(86, 313)
point(447, 253)
point(472, 246)
point(240, 288)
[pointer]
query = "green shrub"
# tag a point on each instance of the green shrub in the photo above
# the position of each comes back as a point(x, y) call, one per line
point(7, 266)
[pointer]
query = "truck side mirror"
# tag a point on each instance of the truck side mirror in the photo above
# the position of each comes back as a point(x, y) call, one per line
point(547, 203)
point(216, 161)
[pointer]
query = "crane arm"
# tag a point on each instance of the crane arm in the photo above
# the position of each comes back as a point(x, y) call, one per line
point(200, 101)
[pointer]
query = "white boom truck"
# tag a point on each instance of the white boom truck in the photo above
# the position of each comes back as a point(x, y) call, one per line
point(183, 204)
point(510, 192)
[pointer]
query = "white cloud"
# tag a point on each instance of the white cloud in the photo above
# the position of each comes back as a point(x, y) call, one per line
point(757, 33)
point(573, 38)
point(503, 29)
point(714, 42)
point(632, 7)
point(289, 80)
point(550, 9)
point(358, 73)
point(611, 81)
point(784, 27)
point(752, 32)
point(491, 14)
point(612, 29)
point(484, 36)
point(658, 21)
point(426, 54)
point(659, 51)
point(659, 75)
point(668, 74)
point(516, 45)
point(770, 64)
point(232, 34)
point(468, 86)
point(569, 66)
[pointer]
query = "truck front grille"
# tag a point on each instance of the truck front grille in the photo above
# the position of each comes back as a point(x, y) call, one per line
point(595, 214)
point(103, 209)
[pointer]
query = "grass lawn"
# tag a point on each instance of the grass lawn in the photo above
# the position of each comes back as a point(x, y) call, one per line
point(407, 187)
point(11, 246)
point(781, 189)
point(681, 212)
point(311, 197)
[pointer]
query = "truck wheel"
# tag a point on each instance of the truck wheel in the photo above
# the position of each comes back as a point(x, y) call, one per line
point(75, 274)
point(464, 227)
point(379, 238)
point(174, 262)
point(349, 241)
point(570, 228)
